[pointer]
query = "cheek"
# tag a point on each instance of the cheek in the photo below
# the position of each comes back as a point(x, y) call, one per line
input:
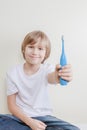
point(27, 51)
point(44, 54)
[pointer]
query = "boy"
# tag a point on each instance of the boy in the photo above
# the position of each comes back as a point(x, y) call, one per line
point(27, 86)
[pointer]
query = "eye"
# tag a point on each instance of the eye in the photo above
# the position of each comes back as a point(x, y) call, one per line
point(40, 48)
point(30, 46)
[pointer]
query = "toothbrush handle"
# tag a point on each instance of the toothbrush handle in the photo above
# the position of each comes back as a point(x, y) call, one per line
point(63, 82)
point(63, 61)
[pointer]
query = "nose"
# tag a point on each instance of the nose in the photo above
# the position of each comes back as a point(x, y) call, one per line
point(35, 51)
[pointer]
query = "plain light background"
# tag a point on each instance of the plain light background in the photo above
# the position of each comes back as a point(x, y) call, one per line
point(54, 17)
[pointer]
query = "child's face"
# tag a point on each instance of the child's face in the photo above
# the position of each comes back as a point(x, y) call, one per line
point(35, 54)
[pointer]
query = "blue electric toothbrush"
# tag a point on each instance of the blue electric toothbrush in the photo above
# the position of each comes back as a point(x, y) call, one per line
point(63, 61)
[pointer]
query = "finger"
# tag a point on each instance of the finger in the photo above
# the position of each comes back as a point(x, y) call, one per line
point(65, 74)
point(67, 78)
point(65, 71)
point(42, 127)
point(43, 124)
point(68, 66)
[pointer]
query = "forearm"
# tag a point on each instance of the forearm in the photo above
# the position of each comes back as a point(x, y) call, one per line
point(16, 111)
point(53, 78)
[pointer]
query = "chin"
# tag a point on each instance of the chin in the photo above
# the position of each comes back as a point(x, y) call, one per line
point(35, 63)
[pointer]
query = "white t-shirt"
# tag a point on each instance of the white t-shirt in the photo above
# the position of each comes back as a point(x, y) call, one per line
point(32, 91)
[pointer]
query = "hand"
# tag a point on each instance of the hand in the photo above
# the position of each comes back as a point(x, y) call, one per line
point(37, 125)
point(64, 72)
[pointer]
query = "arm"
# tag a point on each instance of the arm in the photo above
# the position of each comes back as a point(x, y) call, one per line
point(16, 111)
point(65, 73)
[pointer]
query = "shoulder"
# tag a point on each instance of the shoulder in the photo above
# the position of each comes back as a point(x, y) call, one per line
point(48, 67)
point(13, 69)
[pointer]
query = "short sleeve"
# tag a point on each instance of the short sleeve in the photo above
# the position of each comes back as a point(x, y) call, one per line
point(10, 84)
point(50, 68)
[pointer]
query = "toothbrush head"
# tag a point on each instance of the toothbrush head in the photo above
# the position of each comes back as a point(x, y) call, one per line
point(62, 37)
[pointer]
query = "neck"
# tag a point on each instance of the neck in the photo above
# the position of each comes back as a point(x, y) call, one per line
point(30, 69)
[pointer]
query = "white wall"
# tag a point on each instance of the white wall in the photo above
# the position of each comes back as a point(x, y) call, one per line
point(54, 17)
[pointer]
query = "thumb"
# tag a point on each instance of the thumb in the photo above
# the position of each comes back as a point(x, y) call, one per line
point(58, 67)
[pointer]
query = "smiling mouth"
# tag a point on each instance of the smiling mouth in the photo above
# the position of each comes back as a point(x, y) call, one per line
point(34, 57)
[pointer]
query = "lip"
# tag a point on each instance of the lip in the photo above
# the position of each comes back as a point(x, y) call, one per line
point(34, 57)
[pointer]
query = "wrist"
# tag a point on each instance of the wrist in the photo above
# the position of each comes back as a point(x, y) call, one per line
point(57, 77)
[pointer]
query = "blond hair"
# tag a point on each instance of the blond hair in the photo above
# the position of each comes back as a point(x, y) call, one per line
point(32, 37)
